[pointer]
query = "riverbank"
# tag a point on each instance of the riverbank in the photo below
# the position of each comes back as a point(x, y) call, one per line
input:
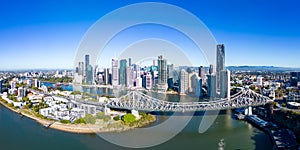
point(102, 127)
point(281, 138)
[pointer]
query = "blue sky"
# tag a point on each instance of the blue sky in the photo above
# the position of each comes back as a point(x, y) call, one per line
point(46, 34)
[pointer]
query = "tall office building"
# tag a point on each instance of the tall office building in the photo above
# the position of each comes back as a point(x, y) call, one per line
point(88, 70)
point(162, 74)
point(129, 76)
point(184, 82)
point(123, 66)
point(211, 86)
point(211, 69)
point(201, 74)
point(138, 71)
point(225, 84)
point(197, 85)
point(129, 62)
point(81, 68)
point(106, 76)
point(220, 63)
point(86, 64)
point(170, 69)
point(87, 60)
point(115, 72)
point(89, 74)
point(154, 63)
point(191, 75)
point(138, 82)
point(148, 81)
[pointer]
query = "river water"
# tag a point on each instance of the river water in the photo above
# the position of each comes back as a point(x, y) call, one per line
point(24, 133)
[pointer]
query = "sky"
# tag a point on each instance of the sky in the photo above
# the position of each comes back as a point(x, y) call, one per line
point(37, 34)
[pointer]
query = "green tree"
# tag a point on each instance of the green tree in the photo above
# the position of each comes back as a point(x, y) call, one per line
point(129, 118)
point(90, 119)
point(101, 115)
point(80, 120)
point(116, 118)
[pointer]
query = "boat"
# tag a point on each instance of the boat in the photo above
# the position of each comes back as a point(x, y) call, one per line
point(239, 116)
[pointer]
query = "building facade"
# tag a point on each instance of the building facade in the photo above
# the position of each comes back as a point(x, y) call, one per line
point(220, 63)
point(225, 84)
point(184, 82)
point(122, 75)
point(115, 72)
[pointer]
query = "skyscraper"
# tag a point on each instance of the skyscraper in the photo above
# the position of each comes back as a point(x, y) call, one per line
point(148, 81)
point(225, 84)
point(129, 76)
point(115, 72)
point(211, 69)
point(183, 83)
point(80, 68)
point(88, 70)
point(170, 69)
point(220, 62)
point(201, 74)
point(106, 76)
point(162, 73)
point(87, 60)
point(197, 85)
point(138, 82)
point(129, 62)
point(211, 86)
point(123, 65)
point(138, 71)
point(89, 74)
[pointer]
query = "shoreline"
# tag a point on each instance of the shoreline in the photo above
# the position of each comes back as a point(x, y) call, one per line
point(71, 128)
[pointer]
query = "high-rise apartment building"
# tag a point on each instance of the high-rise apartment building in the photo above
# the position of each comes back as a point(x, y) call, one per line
point(106, 76)
point(211, 86)
point(220, 63)
point(184, 82)
point(148, 81)
point(123, 66)
point(162, 74)
point(115, 72)
point(129, 76)
point(201, 73)
point(225, 84)
point(211, 69)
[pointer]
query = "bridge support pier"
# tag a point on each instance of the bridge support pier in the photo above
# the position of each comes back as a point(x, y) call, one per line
point(135, 113)
point(106, 111)
point(248, 111)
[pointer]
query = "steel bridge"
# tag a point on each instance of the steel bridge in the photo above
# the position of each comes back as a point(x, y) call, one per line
point(139, 101)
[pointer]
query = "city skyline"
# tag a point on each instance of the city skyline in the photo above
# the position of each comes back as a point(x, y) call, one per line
point(38, 38)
